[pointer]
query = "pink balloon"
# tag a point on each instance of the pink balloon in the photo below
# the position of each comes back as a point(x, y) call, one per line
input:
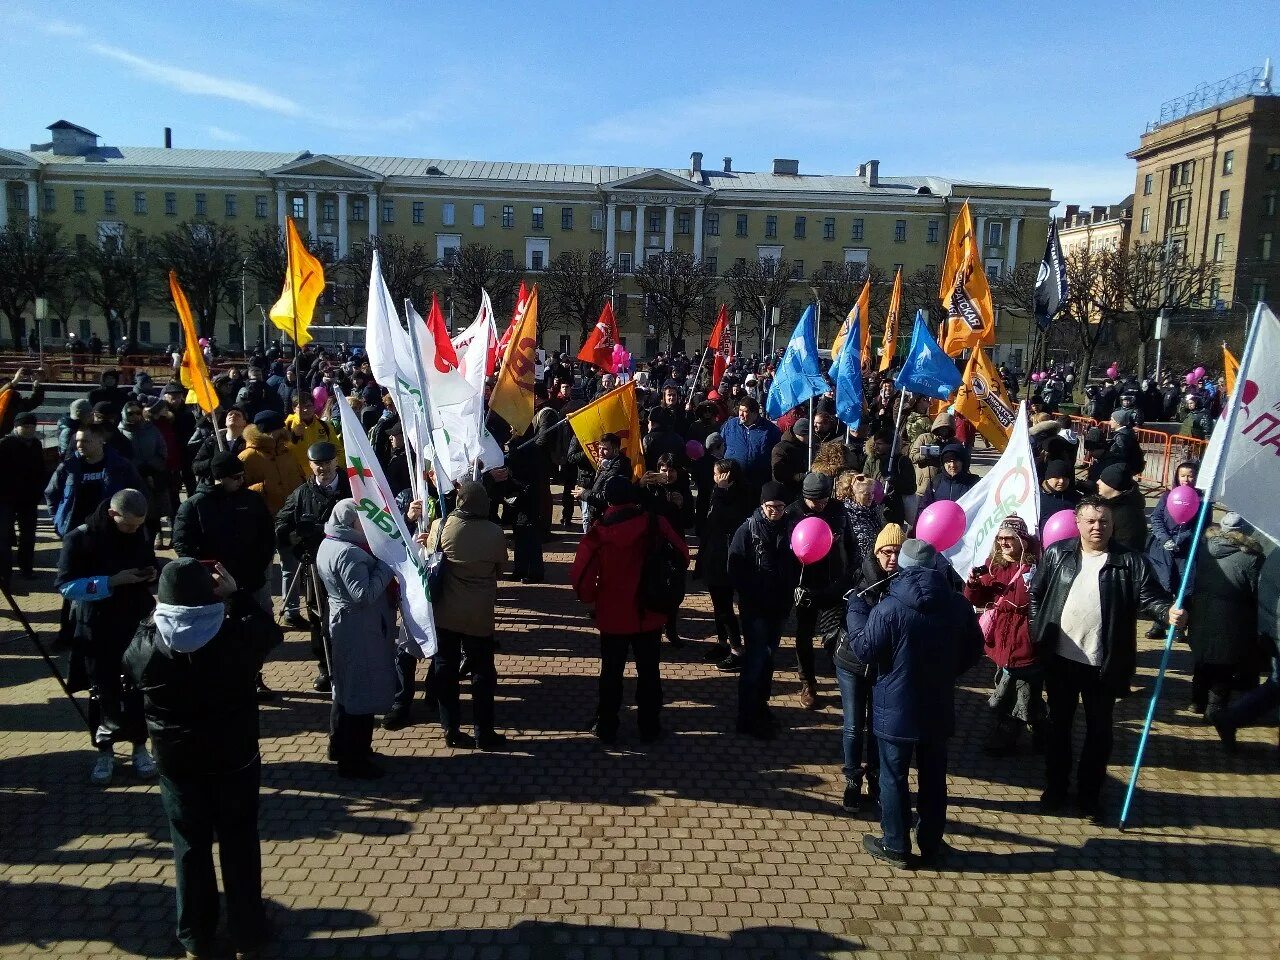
point(1191, 379)
point(1182, 504)
point(1061, 526)
point(204, 341)
point(1200, 372)
point(1113, 371)
point(694, 450)
point(811, 540)
point(320, 396)
point(942, 524)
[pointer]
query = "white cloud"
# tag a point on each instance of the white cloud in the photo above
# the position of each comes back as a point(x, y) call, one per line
point(58, 27)
point(223, 135)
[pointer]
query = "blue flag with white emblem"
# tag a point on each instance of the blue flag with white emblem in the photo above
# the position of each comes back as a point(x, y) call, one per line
point(927, 370)
point(847, 376)
point(799, 374)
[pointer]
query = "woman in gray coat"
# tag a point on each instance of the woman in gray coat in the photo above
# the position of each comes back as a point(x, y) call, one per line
point(362, 624)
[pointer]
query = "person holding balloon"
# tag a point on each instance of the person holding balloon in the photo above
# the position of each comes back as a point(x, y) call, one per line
point(1172, 529)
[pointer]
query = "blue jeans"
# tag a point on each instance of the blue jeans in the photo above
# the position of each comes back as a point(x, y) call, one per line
point(761, 637)
point(895, 794)
point(855, 699)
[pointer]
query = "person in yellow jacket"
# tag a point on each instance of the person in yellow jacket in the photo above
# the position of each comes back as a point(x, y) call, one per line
point(306, 429)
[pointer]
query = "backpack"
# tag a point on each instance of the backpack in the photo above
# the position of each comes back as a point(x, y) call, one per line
point(662, 581)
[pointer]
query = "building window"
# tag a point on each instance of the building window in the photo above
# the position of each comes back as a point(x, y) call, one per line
point(230, 205)
point(418, 213)
point(1146, 185)
point(509, 259)
point(684, 223)
point(712, 265)
point(1269, 204)
point(566, 218)
point(260, 207)
point(299, 205)
point(202, 205)
point(770, 227)
point(171, 204)
point(357, 211)
point(1219, 247)
point(108, 201)
point(624, 262)
point(797, 269)
point(1215, 291)
point(829, 228)
point(49, 203)
point(1180, 174)
point(597, 219)
point(800, 228)
point(139, 201)
point(328, 211)
point(655, 222)
point(1259, 290)
point(448, 215)
point(535, 260)
point(388, 211)
point(625, 218)
point(899, 231)
point(1228, 163)
point(77, 201)
point(508, 217)
point(932, 235)
point(1146, 220)
point(739, 263)
point(995, 234)
point(1273, 160)
point(1264, 247)
point(477, 214)
point(993, 272)
point(741, 229)
point(711, 225)
point(1180, 213)
point(537, 218)
point(620, 306)
point(1224, 204)
point(855, 232)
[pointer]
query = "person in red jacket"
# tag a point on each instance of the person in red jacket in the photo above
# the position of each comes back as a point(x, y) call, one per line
point(1002, 587)
point(606, 575)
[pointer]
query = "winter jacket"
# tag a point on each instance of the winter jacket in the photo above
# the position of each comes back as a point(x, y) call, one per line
point(662, 440)
point(1007, 592)
point(729, 509)
point(763, 568)
point(1168, 564)
point(1223, 607)
point(789, 462)
point(606, 569)
point(269, 466)
point(475, 551)
point(661, 499)
point(202, 462)
point(303, 435)
point(1125, 450)
point(1197, 423)
point(77, 487)
point(299, 524)
point(196, 670)
point(1127, 587)
point(1052, 502)
point(920, 639)
point(870, 587)
point(752, 447)
point(619, 466)
point(927, 465)
point(232, 528)
point(23, 479)
point(1129, 518)
point(829, 578)
point(18, 404)
point(149, 452)
point(946, 487)
point(1269, 598)
point(866, 522)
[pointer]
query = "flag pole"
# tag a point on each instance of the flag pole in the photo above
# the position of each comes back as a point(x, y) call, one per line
point(293, 295)
point(1206, 505)
point(696, 377)
point(810, 437)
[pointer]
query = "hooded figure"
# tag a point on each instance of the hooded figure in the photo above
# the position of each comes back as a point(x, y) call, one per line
point(362, 635)
point(954, 480)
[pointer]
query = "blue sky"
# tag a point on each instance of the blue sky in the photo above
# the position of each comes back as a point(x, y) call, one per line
point(1028, 93)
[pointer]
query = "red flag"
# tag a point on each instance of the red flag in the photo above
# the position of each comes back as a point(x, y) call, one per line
point(598, 347)
point(491, 360)
point(446, 356)
point(716, 342)
point(522, 300)
point(722, 344)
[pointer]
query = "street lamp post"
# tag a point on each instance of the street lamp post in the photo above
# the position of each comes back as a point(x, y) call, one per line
point(244, 336)
point(764, 323)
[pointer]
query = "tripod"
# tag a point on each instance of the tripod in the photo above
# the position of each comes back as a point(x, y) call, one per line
point(44, 653)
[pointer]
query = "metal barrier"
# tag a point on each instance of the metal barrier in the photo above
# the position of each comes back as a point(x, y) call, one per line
point(1162, 451)
point(1155, 456)
point(1182, 449)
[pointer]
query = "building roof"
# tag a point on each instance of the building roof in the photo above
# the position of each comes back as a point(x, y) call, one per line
point(68, 125)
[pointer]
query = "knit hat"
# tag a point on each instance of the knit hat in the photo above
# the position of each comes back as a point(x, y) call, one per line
point(185, 583)
point(322, 451)
point(104, 407)
point(891, 536)
point(801, 427)
point(1057, 469)
point(1236, 523)
point(714, 440)
point(268, 421)
point(1016, 524)
point(226, 464)
point(1117, 478)
point(619, 491)
point(916, 553)
point(773, 491)
point(79, 408)
point(1122, 417)
point(174, 388)
point(816, 486)
point(26, 418)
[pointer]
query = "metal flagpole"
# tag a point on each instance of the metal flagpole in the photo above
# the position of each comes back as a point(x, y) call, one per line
point(810, 437)
point(1206, 506)
point(53, 667)
point(701, 363)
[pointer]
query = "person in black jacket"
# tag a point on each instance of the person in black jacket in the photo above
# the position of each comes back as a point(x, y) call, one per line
point(789, 460)
point(234, 423)
point(666, 492)
point(194, 659)
point(1058, 491)
point(22, 484)
point(661, 440)
point(1087, 658)
point(730, 507)
point(955, 478)
point(613, 463)
point(111, 393)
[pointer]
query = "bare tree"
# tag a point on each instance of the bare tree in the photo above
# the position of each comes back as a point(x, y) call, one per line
point(207, 258)
point(920, 292)
point(266, 260)
point(118, 276)
point(408, 269)
point(65, 292)
point(577, 284)
point(476, 267)
point(675, 286)
point(839, 285)
point(1095, 303)
point(1159, 277)
point(749, 281)
point(33, 260)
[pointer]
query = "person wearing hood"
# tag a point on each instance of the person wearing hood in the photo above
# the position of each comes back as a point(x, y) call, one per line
point(765, 572)
point(955, 478)
point(150, 459)
point(926, 456)
point(1059, 491)
point(475, 551)
point(107, 416)
point(362, 621)
point(234, 423)
point(730, 507)
point(789, 462)
point(1223, 608)
point(1169, 543)
point(1128, 507)
point(105, 571)
point(111, 393)
point(606, 575)
point(194, 659)
point(920, 639)
point(78, 415)
point(21, 486)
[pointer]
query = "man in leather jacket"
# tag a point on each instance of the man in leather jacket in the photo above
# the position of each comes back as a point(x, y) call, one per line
point(1085, 601)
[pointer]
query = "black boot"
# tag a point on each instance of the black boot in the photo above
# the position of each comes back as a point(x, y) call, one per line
point(1218, 700)
point(1004, 737)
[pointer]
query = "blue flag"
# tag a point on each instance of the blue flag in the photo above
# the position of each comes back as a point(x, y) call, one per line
point(799, 374)
point(847, 374)
point(926, 369)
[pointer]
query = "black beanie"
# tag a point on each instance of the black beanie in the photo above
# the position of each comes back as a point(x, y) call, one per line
point(1057, 469)
point(1117, 478)
point(186, 583)
point(225, 464)
point(773, 490)
point(619, 491)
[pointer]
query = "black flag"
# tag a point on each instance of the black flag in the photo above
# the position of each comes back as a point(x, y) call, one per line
point(1051, 281)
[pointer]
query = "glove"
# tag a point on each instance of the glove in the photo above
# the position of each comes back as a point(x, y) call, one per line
point(1169, 545)
point(803, 598)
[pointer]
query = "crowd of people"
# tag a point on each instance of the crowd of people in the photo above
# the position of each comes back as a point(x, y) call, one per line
point(172, 652)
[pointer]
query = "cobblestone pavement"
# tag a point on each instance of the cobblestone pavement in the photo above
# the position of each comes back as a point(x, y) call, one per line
point(703, 845)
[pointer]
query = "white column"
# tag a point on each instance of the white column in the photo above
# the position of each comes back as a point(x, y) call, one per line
point(610, 238)
point(311, 214)
point(4, 203)
point(282, 207)
point(342, 223)
point(980, 228)
point(697, 232)
point(638, 262)
point(33, 207)
point(1011, 260)
point(669, 241)
point(373, 213)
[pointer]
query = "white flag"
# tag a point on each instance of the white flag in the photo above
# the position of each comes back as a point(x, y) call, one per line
point(454, 404)
point(1241, 468)
point(1008, 487)
point(386, 532)
point(473, 345)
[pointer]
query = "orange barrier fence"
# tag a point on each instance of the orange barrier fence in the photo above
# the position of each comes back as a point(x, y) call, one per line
point(1162, 452)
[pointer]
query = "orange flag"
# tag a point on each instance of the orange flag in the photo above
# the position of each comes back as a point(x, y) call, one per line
point(964, 291)
point(983, 400)
point(513, 393)
point(597, 349)
point(1230, 367)
point(193, 374)
point(522, 298)
point(717, 343)
point(864, 314)
point(889, 345)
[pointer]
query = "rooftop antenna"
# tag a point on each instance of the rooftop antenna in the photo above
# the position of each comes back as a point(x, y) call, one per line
point(1265, 80)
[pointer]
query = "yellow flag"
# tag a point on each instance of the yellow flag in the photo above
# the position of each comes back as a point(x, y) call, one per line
point(193, 374)
point(303, 284)
point(964, 291)
point(615, 412)
point(982, 400)
point(1230, 367)
point(861, 307)
point(889, 346)
point(513, 393)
